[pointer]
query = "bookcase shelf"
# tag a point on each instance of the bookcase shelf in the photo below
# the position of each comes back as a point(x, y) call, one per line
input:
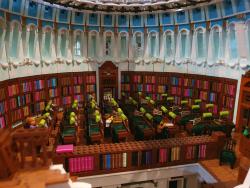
point(23, 97)
point(110, 158)
point(219, 91)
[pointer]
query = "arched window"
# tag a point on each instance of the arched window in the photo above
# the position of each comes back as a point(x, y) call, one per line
point(183, 40)
point(78, 43)
point(201, 43)
point(138, 45)
point(215, 46)
point(47, 43)
point(31, 39)
point(169, 45)
point(63, 42)
point(153, 45)
point(123, 47)
point(93, 38)
point(3, 55)
point(108, 44)
point(233, 42)
point(15, 44)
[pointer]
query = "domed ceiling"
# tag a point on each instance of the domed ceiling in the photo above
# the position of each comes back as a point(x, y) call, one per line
point(130, 5)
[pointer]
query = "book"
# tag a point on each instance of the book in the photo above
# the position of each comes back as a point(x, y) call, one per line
point(64, 148)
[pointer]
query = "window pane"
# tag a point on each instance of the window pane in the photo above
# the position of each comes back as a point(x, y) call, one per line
point(153, 45)
point(233, 44)
point(124, 50)
point(14, 47)
point(47, 44)
point(77, 46)
point(200, 44)
point(63, 44)
point(32, 43)
point(183, 44)
point(216, 43)
point(169, 45)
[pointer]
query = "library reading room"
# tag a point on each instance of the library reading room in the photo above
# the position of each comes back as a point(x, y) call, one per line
point(125, 93)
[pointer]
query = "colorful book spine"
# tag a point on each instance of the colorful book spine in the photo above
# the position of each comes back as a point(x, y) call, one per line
point(26, 111)
point(91, 79)
point(77, 89)
point(2, 93)
point(53, 93)
point(39, 106)
point(66, 90)
point(80, 98)
point(81, 164)
point(188, 92)
point(16, 115)
point(216, 87)
point(52, 82)
point(175, 90)
point(229, 89)
point(202, 151)
point(39, 84)
point(125, 87)
point(188, 82)
point(3, 107)
point(27, 87)
point(2, 122)
point(39, 95)
point(212, 97)
point(162, 88)
point(203, 95)
point(175, 153)
point(66, 100)
point(66, 81)
point(163, 155)
point(78, 80)
point(13, 90)
point(91, 88)
point(137, 79)
point(125, 78)
point(163, 80)
point(176, 81)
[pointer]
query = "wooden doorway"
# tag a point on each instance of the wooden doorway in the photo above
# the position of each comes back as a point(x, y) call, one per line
point(108, 81)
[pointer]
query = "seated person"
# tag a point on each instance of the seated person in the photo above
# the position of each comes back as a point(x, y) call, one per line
point(161, 129)
point(32, 122)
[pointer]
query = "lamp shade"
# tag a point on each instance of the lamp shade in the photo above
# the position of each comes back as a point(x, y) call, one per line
point(195, 107)
point(209, 105)
point(42, 123)
point(72, 120)
point(172, 115)
point(170, 98)
point(74, 105)
point(152, 102)
point(207, 115)
point(184, 102)
point(46, 115)
point(119, 110)
point(164, 109)
point(197, 101)
point(97, 118)
point(142, 110)
point(164, 94)
point(97, 112)
point(72, 114)
point(149, 116)
point(124, 117)
point(224, 113)
point(147, 98)
point(139, 93)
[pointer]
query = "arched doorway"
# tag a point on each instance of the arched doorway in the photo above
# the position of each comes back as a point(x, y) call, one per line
point(108, 81)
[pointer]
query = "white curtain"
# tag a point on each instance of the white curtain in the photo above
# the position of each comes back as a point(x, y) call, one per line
point(169, 46)
point(161, 48)
point(231, 50)
point(215, 46)
point(199, 46)
point(183, 47)
point(15, 50)
point(94, 46)
point(3, 55)
point(152, 48)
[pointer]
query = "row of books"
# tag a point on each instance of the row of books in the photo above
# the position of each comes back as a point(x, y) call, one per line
point(66, 81)
point(91, 88)
point(202, 84)
point(26, 87)
point(52, 82)
point(228, 102)
point(53, 92)
point(175, 90)
point(125, 87)
point(80, 98)
point(162, 80)
point(16, 115)
point(15, 102)
point(56, 101)
point(150, 88)
point(39, 106)
point(177, 100)
point(91, 79)
point(81, 164)
point(188, 93)
point(213, 97)
point(196, 152)
point(203, 95)
point(149, 79)
point(78, 89)
point(125, 78)
point(2, 122)
point(78, 80)
point(114, 160)
point(67, 90)
point(216, 86)
point(2, 94)
point(3, 107)
point(66, 100)
point(39, 95)
point(175, 153)
point(137, 79)
point(26, 111)
point(138, 87)
point(229, 89)
point(162, 88)
point(188, 82)
point(39, 84)
point(13, 90)
point(176, 81)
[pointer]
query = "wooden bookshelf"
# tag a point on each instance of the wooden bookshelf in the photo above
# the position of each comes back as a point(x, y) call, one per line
point(127, 156)
point(27, 96)
point(219, 91)
point(126, 83)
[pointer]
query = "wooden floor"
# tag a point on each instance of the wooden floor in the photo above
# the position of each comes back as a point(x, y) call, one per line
point(226, 176)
